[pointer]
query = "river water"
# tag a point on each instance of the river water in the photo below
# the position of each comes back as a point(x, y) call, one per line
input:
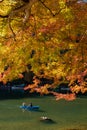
point(67, 115)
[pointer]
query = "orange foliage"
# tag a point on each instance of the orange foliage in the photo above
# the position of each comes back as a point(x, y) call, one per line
point(78, 89)
point(68, 97)
point(21, 76)
point(35, 87)
point(48, 41)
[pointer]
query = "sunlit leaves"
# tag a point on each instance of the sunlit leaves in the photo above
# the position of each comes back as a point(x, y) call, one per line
point(68, 97)
point(47, 42)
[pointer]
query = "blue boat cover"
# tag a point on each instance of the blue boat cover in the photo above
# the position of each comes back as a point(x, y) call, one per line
point(33, 108)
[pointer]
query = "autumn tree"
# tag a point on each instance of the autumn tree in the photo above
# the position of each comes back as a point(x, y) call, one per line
point(48, 36)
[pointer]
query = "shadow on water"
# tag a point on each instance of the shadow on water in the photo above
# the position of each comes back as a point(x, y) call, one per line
point(80, 95)
point(49, 122)
point(6, 96)
point(41, 111)
point(17, 95)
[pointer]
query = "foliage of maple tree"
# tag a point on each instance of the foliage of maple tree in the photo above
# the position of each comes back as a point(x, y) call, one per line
point(51, 37)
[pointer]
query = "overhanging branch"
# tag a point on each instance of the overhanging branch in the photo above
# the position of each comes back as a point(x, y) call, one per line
point(50, 9)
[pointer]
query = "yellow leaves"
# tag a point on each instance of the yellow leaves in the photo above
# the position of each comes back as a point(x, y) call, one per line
point(55, 40)
point(6, 7)
point(44, 90)
point(66, 11)
point(46, 35)
point(79, 88)
point(71, 46)
point(52, 20)
point(4, 50)
point(59, 67)
point(54, 72)
point(3, 27)
point(76, 88)
point(62, 3)
point(67, 14)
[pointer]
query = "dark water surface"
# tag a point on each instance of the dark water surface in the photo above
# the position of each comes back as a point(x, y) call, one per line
point(67, 115)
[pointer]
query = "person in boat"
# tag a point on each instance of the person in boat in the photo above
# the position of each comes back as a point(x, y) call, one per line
point(24, 104)
point(30, 105)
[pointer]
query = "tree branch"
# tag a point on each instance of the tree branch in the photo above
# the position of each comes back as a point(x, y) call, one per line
point(26, 8)
point(50, 9)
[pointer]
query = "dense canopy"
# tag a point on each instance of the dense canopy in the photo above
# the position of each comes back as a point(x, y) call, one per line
point(46, 37)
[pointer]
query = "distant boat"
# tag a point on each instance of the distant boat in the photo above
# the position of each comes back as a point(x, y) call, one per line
point(33, 108)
